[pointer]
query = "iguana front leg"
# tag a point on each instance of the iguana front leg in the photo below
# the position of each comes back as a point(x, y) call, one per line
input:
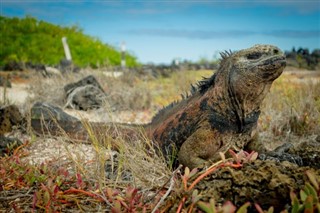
point(201, 148)
point(198, 149)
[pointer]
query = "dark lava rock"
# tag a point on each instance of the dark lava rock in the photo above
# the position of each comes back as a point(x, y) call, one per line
point(49, 119)
point(86, 98)
point(7, 145)
point(46, 111)
point(67, 66)
point(264, 182)
point(37, 67)
point(85, 94)
point(89, 80)
point(14, 66)
point(309, 152)
point(267, 183)
point(4, 82)
point(9, 116)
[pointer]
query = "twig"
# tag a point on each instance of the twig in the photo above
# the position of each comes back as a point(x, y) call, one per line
point(158, 191)
point(17, 196)
point(168, 191)
point(181, 204)
point(90, 194)
point(5, 90)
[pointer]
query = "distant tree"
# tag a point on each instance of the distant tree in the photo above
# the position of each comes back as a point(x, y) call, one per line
point(316, 53)
point(303, 59)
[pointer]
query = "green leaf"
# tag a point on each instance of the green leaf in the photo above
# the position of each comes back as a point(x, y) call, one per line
point(228, 207)
point(253, 156)
point(294, 199)
point(193, 172)
point(32, 180)
point(270, 210)
point(303, 195)
point(186, 172)
point(46, 197)
point(308, 206)
point(313, 179)
point(212, 204)
point(116, 207)
point(204, 206)
point(294, 202)
point(312, 192)
point(195, 196)
point(207, 207)
point(244, 208)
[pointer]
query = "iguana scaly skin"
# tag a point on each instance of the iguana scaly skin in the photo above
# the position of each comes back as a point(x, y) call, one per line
point(221, 112)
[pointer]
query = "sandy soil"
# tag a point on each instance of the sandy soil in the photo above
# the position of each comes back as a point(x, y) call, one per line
point(17, 94)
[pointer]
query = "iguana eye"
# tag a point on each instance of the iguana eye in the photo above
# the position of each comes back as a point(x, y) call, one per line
point(252, 56)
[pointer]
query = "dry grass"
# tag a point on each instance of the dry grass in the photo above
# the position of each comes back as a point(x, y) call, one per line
point(127, 92)
point(291, 112)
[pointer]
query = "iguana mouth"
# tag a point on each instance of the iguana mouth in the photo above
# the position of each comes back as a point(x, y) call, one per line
point(272, 67)
point(273, 62)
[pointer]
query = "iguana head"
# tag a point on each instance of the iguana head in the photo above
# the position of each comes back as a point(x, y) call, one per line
point(247, 76)
point(259, 64)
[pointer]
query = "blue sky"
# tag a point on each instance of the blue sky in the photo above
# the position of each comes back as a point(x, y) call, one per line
point(160, 31)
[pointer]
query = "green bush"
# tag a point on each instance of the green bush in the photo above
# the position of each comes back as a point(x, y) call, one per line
point(31, 40)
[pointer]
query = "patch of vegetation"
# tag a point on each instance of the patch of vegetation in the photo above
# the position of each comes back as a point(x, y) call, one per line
point(291, 108)
point(303, 58)
point(48, 188)
point(30, 40)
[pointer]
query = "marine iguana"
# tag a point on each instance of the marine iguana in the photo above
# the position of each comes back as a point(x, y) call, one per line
point(221, 113)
